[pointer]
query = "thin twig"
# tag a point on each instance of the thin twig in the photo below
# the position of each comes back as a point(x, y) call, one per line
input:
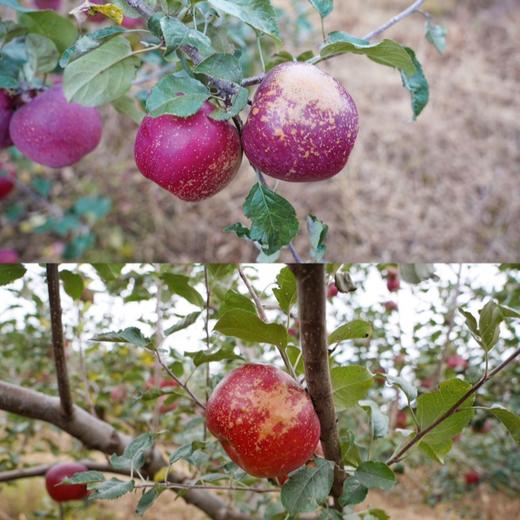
point(218, 488)
point(53, 284)
point(206, 328)
point(159, 339)
point(394, 20)
point(453, 409)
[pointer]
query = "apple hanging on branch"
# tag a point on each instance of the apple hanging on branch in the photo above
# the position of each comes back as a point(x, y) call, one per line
point(65, 492)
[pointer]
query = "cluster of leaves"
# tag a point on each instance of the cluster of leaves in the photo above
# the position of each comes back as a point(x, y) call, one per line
point(203, 54)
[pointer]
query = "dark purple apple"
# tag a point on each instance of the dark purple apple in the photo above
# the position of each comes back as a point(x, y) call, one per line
point(193, 157)
point(53, 132)
point(7, 181)
point(302, 125)
point(6, 112)
point(65, 492)
point(132, 23)
point(8, 256)
point(53, 5)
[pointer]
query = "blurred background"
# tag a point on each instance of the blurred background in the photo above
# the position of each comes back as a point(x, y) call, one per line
point(443, 188)
point(413, 337)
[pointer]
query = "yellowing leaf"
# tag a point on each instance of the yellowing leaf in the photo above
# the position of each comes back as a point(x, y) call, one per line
point(111, 11)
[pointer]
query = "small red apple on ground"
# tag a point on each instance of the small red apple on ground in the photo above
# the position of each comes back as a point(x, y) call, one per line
point(390, 306)
point(457, 363)
point(9, 256)
point(6, 112)
point(193, 157)
point(53, 5)
point(332, 291)
point(264, 420)
point(7, 181)
point(302, 125)
point(401, 420)
point(472, 478)
point(51, 131)
point(65, 492)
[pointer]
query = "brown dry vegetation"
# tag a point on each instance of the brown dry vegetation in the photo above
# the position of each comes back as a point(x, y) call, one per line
point(444, 188)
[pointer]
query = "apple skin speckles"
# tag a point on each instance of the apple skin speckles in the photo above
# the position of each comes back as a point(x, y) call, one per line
point(302, 125)
point(194, 158)
point(264, 420)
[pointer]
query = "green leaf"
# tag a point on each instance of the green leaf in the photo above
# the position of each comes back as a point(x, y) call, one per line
point(51, 25)
point(72, 283)
point(471, 323)
point(78, 245)
point(350, 384)
point(416, 273)
point(249, 327)
point(128, 106)
point(87, 43)
point(147, 499)
point(317, 235)
point(11, 272)
point(130, 335)
point(178, 94)
point(134, 456)
point(353, 492)
point(436, 35)
point(111, 489)
point(215, 354)
point(85, 477)
point(184, 323)
point(285, 290)
point(102, 75)
point(375, 475)
point(376, 514)
point(489, 324)
point(508, 312)
point(221, 66)
point(260, 14)
point(408, 388)
point(378, 420)
point(185, 451)
point(108, 272)
point(324, 7)
point(350, 452)
point(42, 54)
point(308, 487)
point(386, 52)
point(180, 284)
point(416, 84)
point(238, 103)
point(357, 329)
point(432, 405)
point(177, 35)
point(510, 420)
point(295, 355)
point(273, 220)
point(98, 207)
point(234, 300)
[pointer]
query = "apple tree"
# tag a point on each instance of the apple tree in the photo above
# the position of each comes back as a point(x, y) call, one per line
point(184, 70)
point(250, 393)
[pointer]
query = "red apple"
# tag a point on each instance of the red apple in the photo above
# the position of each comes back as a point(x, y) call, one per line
point(9, 256)
point(472, 478)
point(482, 426)
point(332, 291)
point(393, 284)
point(53, 132)
point(53, 5)
point(7, 181)
point(6, 112)
point(264, 420)
point(390, 306)
point(427, 383)
point(379, 377)
point(457, 363)
point(292, 331)
point(118, 394)
point(302, 125)
point(65, 492)
point(193, 157)
point(401, 420)
point(132, 23)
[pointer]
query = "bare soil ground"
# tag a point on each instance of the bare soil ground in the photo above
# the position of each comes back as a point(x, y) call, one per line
point(445, 188)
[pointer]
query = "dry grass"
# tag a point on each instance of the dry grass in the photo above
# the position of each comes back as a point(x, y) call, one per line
point(444, 188)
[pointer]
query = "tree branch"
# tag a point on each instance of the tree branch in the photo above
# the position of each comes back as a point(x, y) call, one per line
point(99, 435)
point(313, 337)
point(454, 409)
point(396, 19)
point(53, 285)
point(141, 7)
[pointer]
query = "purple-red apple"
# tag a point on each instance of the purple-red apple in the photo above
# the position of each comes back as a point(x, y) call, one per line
point(390, 306)
point(7, 181)
point(132, 23)
point(53, 132)
point(457, 363)
point(472, 477)
point(302, 125)
point(401, 419)
point(9, 256)
point(65, 492)
point(53, 5)
point(264, 420)
point(332, 291)
point(193, 157)
point(6, 112)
